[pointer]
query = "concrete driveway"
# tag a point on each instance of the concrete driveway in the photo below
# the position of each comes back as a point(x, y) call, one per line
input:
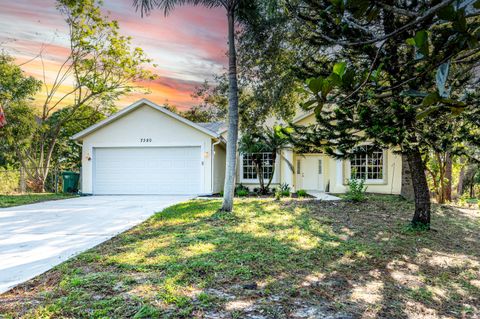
point(34, 238)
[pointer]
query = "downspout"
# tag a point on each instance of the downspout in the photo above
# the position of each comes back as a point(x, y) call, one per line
point(213, 161)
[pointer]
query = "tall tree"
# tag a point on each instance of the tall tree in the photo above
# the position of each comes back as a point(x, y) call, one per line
point(234, 10)
point(100, 67)
point(67, 154)
point(398, 68)
point(265, 140)
point(213, 102)
point(15, 86)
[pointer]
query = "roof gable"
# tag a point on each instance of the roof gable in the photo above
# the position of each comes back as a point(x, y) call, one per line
point(135, 106)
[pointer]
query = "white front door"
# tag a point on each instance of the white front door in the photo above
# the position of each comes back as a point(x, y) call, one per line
point(147, 170)
point(310, 172)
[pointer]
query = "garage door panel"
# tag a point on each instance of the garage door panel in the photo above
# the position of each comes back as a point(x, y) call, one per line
point(155, 170)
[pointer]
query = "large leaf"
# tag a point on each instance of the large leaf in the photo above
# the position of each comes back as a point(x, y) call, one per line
point(431, 99)
point(413, 93)
point(340, 68)
point(421, 42)
point(326, 88)
point(447, 13)
point(315, 84)
point(441, 79)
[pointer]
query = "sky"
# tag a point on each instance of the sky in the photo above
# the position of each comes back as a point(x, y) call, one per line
point(188, 46)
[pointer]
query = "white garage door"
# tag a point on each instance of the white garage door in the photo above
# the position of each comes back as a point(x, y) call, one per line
point(147, 170)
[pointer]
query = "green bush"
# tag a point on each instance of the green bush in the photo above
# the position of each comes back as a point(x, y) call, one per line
point(241, 187)
point(356, 190)
point(9, 181)
point(282, 191)
point(278, 194)
point(242, 193)
point(466, 200)
point(301, 193)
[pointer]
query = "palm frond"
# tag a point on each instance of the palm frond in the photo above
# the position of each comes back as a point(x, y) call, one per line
point(145, 6)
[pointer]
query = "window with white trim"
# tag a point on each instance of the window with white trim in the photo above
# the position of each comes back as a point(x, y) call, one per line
point(367, 164)
point(248, 166)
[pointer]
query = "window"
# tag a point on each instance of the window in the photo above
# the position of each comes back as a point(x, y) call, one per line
point(249, 171)
point(298, 166)
point(367, 164)
point(319, 167)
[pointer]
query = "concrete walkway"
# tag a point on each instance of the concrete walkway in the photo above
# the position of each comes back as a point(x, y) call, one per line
point(322, 195)
point(34, 238)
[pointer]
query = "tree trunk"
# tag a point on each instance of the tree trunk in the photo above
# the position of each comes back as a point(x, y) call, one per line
point(448, 177)
point(461, 178)
point(407, 185)
point(441, 171)
point(274, 159)
point(231, 167)
point(259, 170)
point(421, 218)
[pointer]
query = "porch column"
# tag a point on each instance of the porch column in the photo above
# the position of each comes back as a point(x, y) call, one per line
point(286, 174)
point(339, 173)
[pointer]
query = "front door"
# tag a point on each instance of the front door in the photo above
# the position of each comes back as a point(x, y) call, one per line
point(310, 172)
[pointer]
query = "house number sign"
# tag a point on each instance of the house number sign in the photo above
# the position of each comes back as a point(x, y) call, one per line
point(145, 140)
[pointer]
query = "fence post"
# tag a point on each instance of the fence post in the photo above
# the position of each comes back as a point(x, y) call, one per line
point(23, 187)
point(56, 180)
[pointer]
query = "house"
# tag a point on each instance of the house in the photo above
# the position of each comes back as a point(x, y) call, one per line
point(146, 149)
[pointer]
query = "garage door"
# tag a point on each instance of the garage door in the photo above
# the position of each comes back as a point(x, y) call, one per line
point(147, 170)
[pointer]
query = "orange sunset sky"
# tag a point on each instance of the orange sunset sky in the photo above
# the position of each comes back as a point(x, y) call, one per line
point(188, 46)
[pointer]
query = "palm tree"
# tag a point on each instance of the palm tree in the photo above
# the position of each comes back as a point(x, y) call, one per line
point(232, 7)
point(272, 141)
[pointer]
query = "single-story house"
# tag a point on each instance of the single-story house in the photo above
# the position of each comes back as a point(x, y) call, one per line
point(146, 149)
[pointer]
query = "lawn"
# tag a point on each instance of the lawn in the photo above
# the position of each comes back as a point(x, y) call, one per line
point(24, 199)
point(269, 259)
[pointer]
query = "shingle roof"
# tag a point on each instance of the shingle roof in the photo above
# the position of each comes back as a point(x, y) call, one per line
point(217, 127)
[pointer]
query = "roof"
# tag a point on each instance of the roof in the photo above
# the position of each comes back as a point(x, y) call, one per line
point(217, 127)
point(133, 107)
point(302, 116)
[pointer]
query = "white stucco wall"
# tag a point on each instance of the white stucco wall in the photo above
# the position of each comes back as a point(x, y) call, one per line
point(147, 123)
point(338, 171)
point(219, 162)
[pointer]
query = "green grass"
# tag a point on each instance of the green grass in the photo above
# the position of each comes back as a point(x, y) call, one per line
point(24, 199)
point(304, 257)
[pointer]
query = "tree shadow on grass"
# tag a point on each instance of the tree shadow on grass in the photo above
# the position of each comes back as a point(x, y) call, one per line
point(303, 259)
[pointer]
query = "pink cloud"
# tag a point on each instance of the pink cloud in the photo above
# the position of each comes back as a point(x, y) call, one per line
point(189, 45)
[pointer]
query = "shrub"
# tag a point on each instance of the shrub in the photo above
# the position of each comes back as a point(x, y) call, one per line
point(242, 192)
point(466, 200)
point(301, 193)
point(9, 181)
point(356, 190)
point(282, 191)
point(278, 194)
point(240, 187)
point(285, 189)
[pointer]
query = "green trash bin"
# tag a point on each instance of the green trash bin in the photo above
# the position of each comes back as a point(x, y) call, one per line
point(70, 181)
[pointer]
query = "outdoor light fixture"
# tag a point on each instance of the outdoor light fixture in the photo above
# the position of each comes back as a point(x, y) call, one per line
point(205, 154)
